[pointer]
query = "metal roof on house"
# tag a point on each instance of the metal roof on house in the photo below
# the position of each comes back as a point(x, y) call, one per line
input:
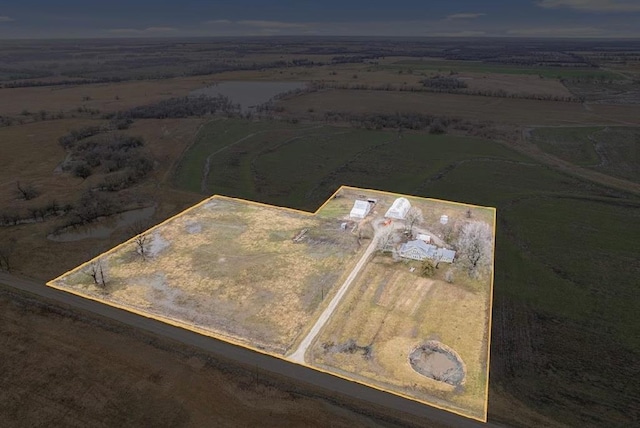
point(429, 251)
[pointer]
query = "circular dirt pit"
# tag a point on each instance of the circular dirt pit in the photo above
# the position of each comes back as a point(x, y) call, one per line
point(439, 362)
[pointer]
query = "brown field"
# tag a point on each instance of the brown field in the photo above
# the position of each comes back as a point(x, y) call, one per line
point(67, 368)
point(228, 268)
point(506, 110)
point(514, 84)
point(103, 95)
point(31, 154)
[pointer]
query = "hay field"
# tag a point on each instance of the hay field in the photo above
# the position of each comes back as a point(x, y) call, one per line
point(230, 269)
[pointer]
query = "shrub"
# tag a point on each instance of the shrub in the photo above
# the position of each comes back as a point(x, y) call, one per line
point(82, 170)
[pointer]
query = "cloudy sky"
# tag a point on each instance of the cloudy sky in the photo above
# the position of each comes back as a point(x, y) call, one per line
point(162, 18)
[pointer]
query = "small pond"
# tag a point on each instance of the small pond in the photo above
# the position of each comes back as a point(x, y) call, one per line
point(439, 362)
point(248, 94)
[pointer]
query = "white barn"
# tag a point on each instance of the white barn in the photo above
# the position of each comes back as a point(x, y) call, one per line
point(360, 209)
point(399, 209)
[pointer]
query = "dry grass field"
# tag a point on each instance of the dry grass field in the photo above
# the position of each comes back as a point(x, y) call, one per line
point(228, 268)
point(233, 270)
point(393, 311)
point(106, 97)
point(505, 110)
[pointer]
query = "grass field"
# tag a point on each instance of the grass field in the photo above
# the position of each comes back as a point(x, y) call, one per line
point(480, 67)
point(612, 150)
point(503, 110)
point(230, 269)
point(295, 165)
point(391, 312)
point(558, 304)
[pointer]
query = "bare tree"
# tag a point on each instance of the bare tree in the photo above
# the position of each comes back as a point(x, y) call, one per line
point(97, 272)
point(26, 191)
point(475, 245)
point(385, 239)
point(141, 239)
point(7, 249)
point(414, 216)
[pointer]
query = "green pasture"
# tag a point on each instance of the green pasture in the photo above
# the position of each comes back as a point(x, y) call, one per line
point(613, 150)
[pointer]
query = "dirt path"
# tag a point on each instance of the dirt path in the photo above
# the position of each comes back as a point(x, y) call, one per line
point(298, 354)
point(525, 146)
point(206, 169)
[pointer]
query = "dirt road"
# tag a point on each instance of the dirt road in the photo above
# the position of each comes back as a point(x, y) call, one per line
point(298, 355)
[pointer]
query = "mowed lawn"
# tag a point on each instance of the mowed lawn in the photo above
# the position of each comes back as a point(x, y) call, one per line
point(560, 305)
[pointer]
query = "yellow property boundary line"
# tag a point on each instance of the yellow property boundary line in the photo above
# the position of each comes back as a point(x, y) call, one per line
point(235, 342)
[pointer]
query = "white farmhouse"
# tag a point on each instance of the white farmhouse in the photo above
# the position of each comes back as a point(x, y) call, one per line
point(420, 250)
point(399, 209)
point(360, 209)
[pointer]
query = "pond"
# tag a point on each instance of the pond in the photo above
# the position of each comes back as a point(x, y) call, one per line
point(103, 228)
point(248, 94)
point(439, 362)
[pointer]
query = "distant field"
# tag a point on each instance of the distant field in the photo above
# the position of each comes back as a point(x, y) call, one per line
point(480, 67)
point(295, 165)
point(611, 150)
point(106, 97)
point(506, 110)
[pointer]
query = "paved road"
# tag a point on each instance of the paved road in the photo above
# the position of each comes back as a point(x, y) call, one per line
point(298, 355)
point(244, 356)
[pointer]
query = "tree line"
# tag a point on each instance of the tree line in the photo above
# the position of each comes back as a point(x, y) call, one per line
point(181, 107)
point(499, 93)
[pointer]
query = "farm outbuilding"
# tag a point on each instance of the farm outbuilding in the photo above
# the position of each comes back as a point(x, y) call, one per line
point(360, 209)
point(420, 250)
point(423, 237)
point(399, 209)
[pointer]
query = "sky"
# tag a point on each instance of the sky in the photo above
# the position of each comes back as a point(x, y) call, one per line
point(417, 18)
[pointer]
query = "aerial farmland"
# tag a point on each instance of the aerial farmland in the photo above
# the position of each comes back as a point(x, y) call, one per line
point(387, 290)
